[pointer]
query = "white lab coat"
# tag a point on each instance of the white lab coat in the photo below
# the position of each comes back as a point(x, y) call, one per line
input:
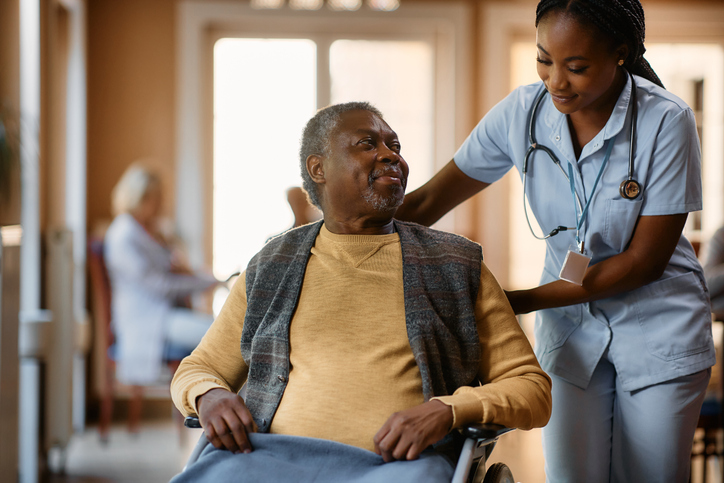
point(143, 294)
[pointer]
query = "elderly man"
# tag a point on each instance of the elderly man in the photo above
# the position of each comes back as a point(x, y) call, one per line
point(358, 334)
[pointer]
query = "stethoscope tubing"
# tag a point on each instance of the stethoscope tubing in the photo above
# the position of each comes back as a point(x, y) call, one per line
point(534, 146)
point(531, 149)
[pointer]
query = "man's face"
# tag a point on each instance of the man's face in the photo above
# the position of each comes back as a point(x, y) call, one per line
point(364, 172)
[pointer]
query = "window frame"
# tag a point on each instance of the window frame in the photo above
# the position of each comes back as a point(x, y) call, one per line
point(201, 23)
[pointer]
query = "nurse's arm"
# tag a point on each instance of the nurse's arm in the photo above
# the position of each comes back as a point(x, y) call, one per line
point(644, 261)
point(447, 189)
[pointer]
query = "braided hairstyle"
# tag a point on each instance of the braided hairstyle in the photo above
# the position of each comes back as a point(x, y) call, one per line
point(620, 20)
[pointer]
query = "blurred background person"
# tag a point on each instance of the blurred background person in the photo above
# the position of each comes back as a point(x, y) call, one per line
point(304, 211)
point(714, 272)
point(147, 281)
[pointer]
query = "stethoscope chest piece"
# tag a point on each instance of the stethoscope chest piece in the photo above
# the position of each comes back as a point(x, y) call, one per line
point(629, 189)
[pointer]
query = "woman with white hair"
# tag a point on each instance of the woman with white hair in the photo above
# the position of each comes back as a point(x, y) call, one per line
point(146, 283)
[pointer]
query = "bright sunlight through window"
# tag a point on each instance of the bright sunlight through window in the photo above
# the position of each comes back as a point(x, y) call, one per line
point(399, 81)
point(264, 93)
point(265, 90)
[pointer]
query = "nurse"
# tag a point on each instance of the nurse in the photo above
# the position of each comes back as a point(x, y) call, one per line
point(626, 336)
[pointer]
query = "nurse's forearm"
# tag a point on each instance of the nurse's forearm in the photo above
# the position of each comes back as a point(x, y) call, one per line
point(601, 281)
point(645, 260)
point(447, 189)
point(561, 293)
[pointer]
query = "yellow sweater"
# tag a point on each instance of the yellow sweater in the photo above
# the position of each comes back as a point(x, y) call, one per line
point(351, 365)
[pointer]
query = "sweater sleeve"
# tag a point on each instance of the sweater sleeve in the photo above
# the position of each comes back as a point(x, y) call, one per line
point(514, 390)
point(217, 361)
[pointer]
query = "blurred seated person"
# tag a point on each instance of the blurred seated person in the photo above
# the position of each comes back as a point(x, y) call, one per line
point(147, 282)
point(302, 209)
point(304, 212)
point(358, 334)
point(714, 272)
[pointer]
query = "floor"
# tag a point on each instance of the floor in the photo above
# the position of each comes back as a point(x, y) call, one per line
point(154, 455)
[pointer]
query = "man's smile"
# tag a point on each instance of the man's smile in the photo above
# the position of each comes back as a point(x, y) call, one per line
point(390, 175)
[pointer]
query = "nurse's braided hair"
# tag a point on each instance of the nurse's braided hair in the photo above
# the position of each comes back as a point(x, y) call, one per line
point(621, 20)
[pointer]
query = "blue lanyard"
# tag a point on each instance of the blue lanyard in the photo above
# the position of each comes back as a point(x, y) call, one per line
point(579, 219)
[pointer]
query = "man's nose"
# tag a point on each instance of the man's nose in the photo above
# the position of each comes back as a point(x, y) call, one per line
point(389, 155)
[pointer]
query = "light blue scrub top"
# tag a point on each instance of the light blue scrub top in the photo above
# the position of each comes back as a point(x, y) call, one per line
point(657, 332)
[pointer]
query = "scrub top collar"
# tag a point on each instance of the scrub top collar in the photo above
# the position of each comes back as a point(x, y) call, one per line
point(560, 134)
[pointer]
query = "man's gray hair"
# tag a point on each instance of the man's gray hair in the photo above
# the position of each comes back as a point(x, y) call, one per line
point(316, 139)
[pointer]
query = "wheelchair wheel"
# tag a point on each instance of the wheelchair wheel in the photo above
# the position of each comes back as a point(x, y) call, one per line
point(498, 473)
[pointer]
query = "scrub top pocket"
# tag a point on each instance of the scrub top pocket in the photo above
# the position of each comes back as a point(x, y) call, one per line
point(674, 316)
point(554, 326)
point(621, 216)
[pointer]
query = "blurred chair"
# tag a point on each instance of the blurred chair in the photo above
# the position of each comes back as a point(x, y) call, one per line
point(709, 436)
point(103, 341)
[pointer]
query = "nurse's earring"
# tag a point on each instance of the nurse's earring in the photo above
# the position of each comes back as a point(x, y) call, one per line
point(620, 62)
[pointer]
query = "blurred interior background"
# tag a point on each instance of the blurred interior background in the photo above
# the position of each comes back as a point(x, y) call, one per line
point(213, 95)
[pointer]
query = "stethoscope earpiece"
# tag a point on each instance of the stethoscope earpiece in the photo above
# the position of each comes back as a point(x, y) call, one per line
point(630, 189)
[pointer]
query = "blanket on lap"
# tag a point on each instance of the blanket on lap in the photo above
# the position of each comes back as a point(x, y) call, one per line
point(297, 459)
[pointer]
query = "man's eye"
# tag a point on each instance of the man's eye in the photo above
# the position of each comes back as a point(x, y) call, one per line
point(396, 147)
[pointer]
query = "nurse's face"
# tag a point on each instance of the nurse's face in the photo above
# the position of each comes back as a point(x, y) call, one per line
point(577, 65)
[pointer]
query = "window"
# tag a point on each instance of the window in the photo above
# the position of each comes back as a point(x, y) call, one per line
point(430, 109)
point(266, 89)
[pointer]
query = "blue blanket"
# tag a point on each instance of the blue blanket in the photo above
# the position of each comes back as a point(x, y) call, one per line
point(281, 458)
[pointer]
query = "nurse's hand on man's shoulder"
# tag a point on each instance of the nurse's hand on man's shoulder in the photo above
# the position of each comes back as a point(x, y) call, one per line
point(514, 301)
point(517, 301)
point(226, 420)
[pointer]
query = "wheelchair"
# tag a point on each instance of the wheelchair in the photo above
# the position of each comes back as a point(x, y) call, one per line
point(480, 439)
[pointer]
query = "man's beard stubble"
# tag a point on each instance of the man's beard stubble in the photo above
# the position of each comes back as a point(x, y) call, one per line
point(381, 202)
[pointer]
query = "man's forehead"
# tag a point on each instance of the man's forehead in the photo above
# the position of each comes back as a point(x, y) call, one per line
point(363, 122)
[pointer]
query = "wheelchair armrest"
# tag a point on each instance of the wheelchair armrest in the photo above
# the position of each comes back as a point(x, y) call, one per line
point(484, 431)
point(192, 422)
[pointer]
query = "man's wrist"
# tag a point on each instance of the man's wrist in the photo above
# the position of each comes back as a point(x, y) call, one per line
point(196, 391)
point(201, 397)
point(446, 412)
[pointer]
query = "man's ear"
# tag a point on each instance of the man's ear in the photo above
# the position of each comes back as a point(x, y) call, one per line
point(315, 168)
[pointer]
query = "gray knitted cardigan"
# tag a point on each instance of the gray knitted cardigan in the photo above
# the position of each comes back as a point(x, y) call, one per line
point(441, 277)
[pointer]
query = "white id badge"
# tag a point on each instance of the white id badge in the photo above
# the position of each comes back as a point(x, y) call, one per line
point(574, 266)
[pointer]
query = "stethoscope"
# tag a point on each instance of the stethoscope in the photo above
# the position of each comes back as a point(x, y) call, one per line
point(629, 189)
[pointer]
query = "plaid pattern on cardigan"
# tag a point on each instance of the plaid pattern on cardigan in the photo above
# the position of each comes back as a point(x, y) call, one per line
point(441, 277)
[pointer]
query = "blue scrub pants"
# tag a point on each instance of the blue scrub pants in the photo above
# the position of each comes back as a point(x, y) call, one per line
point(606, 434)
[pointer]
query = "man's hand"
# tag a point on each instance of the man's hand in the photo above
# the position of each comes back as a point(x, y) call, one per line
point(226, 420)
point(406, 434)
